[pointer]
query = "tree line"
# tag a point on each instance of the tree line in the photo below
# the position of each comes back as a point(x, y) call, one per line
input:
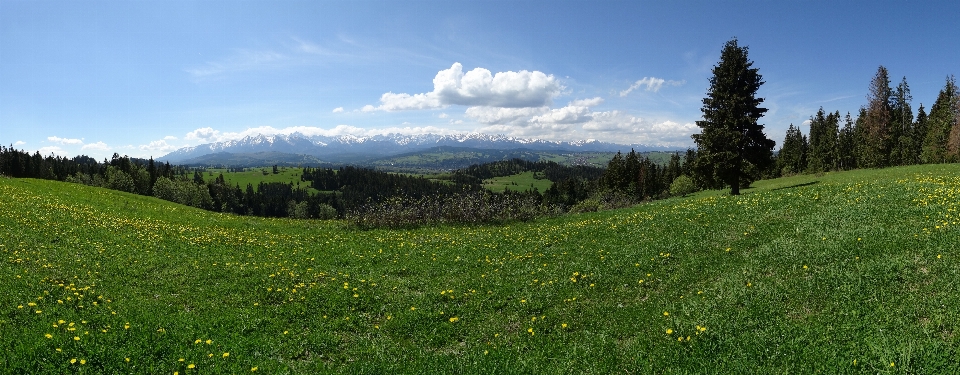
point(885, 132)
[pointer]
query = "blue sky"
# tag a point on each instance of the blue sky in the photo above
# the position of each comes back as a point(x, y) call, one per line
point(143, 78)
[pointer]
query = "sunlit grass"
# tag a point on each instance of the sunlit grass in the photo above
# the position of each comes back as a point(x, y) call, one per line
point(845, 272)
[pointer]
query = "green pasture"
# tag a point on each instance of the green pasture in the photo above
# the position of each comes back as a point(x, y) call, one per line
point(257, 175)
point(854, 272)
point(518, 182)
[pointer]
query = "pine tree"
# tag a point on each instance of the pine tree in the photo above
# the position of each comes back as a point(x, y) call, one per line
point(793, 155)
point(732, 144)
point(943, 118)
point(901, 125)
point(918, 135)
point(877, 132)
point(846, 145)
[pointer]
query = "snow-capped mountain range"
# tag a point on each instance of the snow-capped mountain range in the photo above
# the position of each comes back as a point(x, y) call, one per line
point(346, 148)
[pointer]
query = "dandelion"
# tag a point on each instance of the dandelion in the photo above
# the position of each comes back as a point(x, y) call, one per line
point(76, 338)
point(564, 325)
point(530, 330)
point(49, 336)
point(83, 361)
point(209, 341)
point(253, 369)
point(225, 355)
point(74, 360)
point(454, 319)
point(669, 331)
point(191, 365)
point(666, 313)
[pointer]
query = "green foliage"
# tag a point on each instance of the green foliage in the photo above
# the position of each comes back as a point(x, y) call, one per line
point(682, 186)
point(824, 129)
point(944, 118)
point(792, 158)
point(732, 148)
point(877, 135)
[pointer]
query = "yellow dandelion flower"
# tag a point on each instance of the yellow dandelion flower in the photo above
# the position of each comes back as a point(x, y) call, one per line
point(564, 325)
point(73, 360)
point(225, 355)
point(666, 313)
point(454, 319)
point(530, 330)
point(209, 341)
point(253, 369)
point(191, 365)
point(49, 336)
point(83, 361)
point(669, 331)
point(76, 338)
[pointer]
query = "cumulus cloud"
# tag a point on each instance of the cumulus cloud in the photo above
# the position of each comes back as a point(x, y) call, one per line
point(652, 84)
point(19, 143)
point(170, 138)
point(578, 111)
point(99, 146)
point(56, 150)
point(158, 146)
point(501, 116)
point(65, 141)
point(479, 88)
point(207, 134)
point(443, 115)
point(612, 125)
point(338, 110)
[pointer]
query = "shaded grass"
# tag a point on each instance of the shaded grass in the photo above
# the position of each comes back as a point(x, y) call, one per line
point(859, 266)
point(519, 182)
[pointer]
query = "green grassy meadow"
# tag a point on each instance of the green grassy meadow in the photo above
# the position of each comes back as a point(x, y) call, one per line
point(518, 182)
point(854, 272)
point(255, 176)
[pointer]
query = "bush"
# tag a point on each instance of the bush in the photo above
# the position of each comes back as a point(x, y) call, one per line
point(682, 186)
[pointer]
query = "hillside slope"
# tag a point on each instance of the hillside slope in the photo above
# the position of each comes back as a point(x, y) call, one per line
point(846, 272)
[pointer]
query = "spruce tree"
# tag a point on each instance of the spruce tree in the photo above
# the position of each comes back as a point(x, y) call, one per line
point(793, 155)
point(877, 130)
point(732, 146)
point(846, 145)
point(918, 135)
point(901, 125)
point(943, 118)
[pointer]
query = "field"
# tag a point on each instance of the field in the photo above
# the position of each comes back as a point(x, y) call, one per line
point(518, 182)
point(255, 176)
point(854, 272)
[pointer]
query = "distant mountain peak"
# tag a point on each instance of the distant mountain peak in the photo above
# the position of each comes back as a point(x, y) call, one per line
point(345, 148)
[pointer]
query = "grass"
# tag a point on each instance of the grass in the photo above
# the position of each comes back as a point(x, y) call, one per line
point(255, 176)
point(853, 272)
point(518, 182)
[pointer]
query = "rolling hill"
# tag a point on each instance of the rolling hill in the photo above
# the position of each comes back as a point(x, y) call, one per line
point(839, 273)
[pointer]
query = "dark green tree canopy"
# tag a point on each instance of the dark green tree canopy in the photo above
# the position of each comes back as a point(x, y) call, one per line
point(732, 148)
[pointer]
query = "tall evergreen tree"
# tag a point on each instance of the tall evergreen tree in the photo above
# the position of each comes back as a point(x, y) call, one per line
point(901, 152)
point(846, 145)
point(877, 132)
point(943, 118)
point(732, 145)
point(823, 141)
point(793, 155)
point(918, 135)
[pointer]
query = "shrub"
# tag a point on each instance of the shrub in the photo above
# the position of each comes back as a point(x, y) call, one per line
point(682, 186)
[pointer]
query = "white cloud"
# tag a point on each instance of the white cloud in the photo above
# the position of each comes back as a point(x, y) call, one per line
point(592, 102)
point(501, 116)
point(65, 141)
point(338, 110)
point(613, 125)
point(443, 115)
point(478, 87)
point(158, 146)
point(56, 150)
point(170, 138)
point(578, 111)
point(207, 134)
point(19, 143)
point(95, 146)
point(398, 102)
point(653, 84)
